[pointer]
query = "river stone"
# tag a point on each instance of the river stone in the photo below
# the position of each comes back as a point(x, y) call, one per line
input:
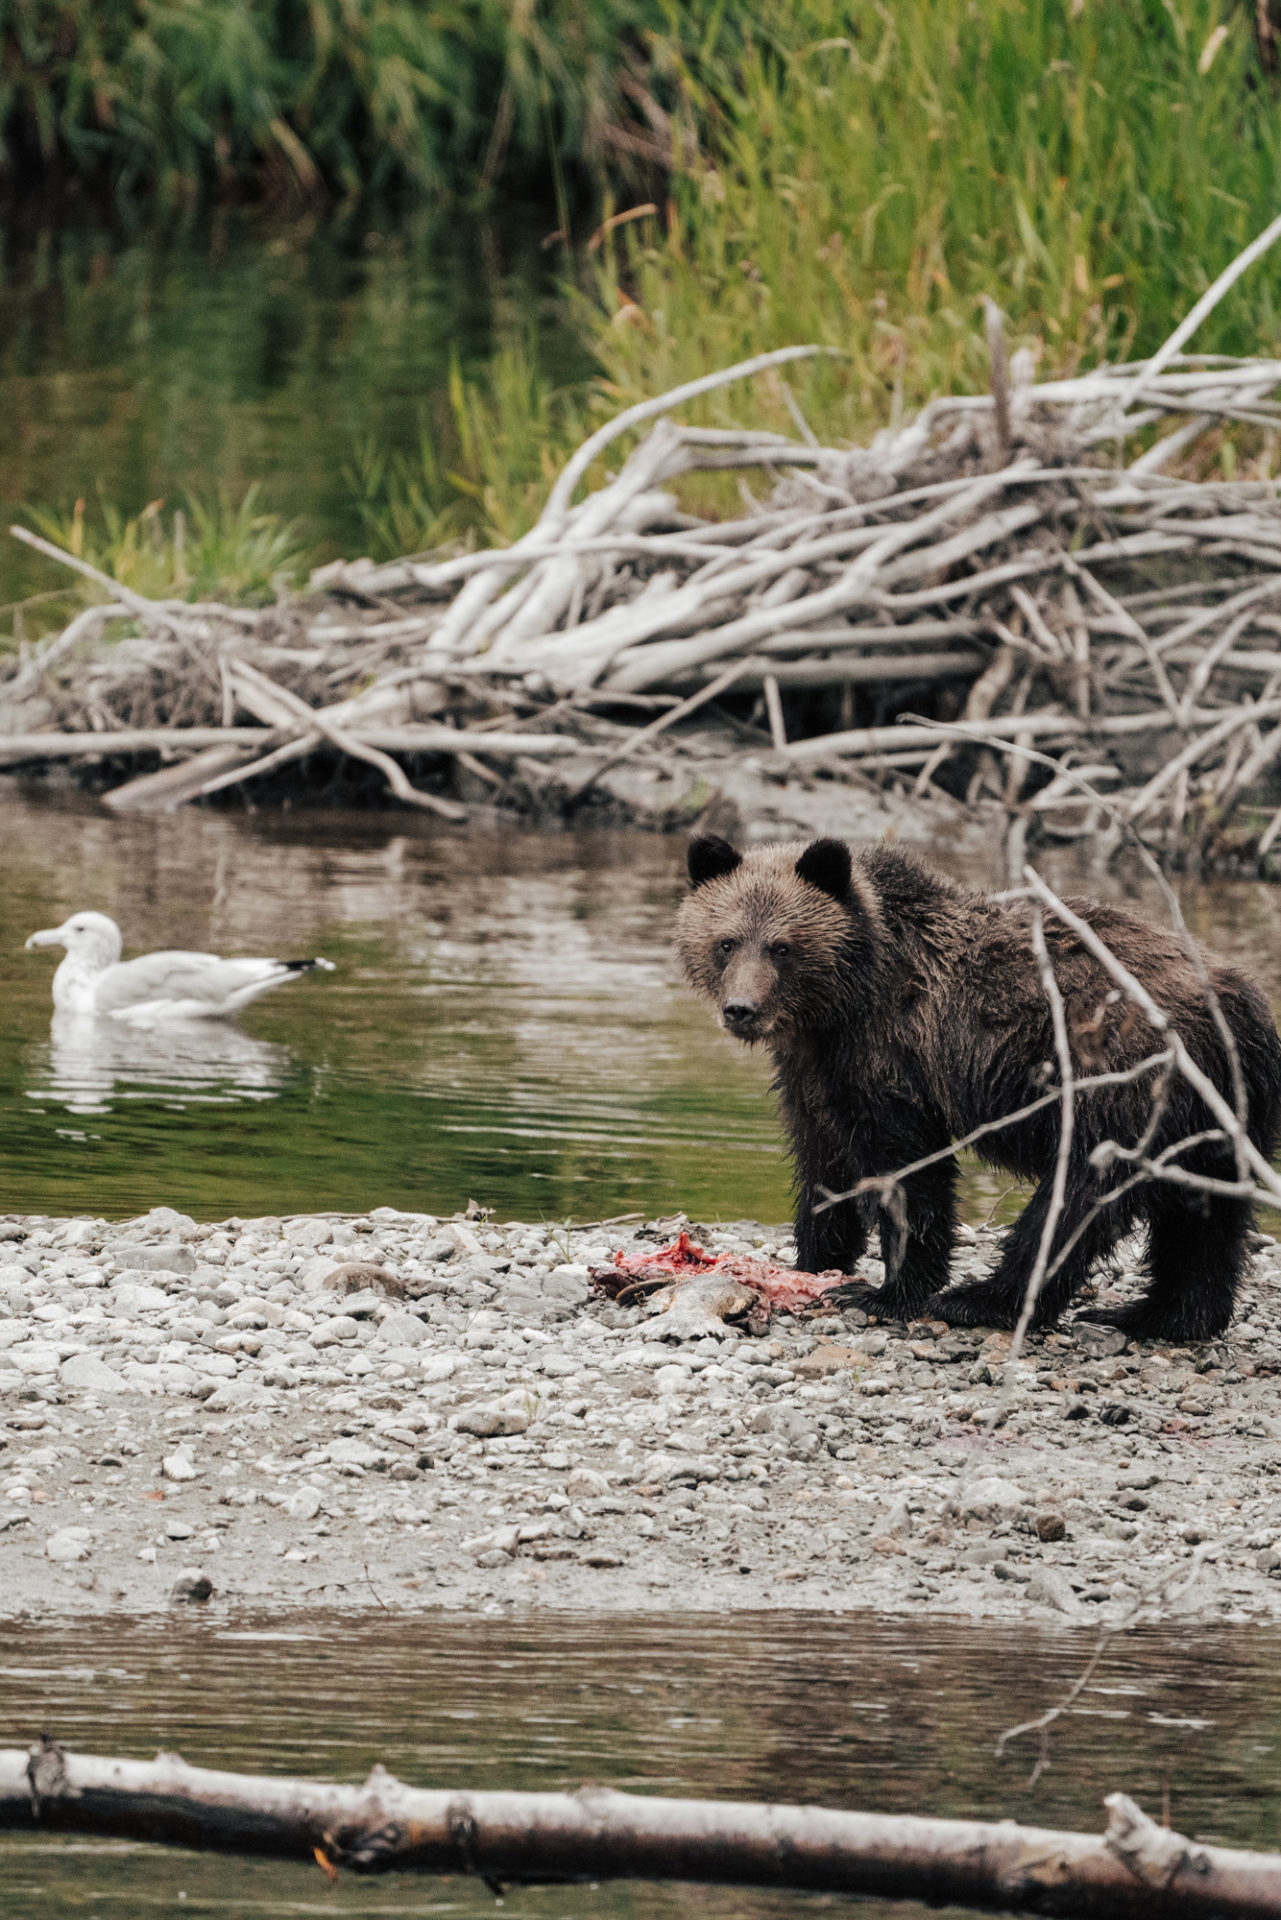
point(234, 1394)
point(336, 1331)
point(363, 1304)
point(133, 1296)
point(1050, 1588)
point(308, 1232)
point(303, 1505)
point(192, 1584)
point(488, 1423)
point(402, 1330)
point(993, 1495)
point(354, 1276)
point(87, 1374)
point(437, 1366)
point(585, 1483)
point(69, 1543)
point(166, 1257)
point(501, 1544)
point(1099, 1342)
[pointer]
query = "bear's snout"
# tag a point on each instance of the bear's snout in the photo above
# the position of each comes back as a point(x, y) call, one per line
point(742, 1017)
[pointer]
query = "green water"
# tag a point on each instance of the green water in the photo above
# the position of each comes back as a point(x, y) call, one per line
point(254, 353)
point(883, 1715)
point(505, 1024)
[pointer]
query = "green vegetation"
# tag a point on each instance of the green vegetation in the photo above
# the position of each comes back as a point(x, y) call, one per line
point(863, 177)
point(207, 548)
point(141, 98)
point(852, 172)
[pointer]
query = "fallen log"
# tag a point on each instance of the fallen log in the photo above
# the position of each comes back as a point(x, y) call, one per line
point(425, 739)
point(1135, 1870)
point(1036, 726)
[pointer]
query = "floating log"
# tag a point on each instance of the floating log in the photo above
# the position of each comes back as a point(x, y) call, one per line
point(1135, 1870)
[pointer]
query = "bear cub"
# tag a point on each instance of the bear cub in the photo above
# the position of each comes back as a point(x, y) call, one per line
point(902, 1011)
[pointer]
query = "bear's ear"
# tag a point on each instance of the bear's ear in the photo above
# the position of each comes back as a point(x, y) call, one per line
point(825, 864)
point(711, 858)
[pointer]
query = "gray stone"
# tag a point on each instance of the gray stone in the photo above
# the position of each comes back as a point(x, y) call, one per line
point(1099, 1342)
point(402, 1330)
point(992, 1495)
point(233, 1394)
point(502, 1541)
point(303, 1505)
point(69, 1543)
point(176, 1529)
point(335, 1332)
point(488, 1423)
point(167, 1256)
point(1050, 1588)
point(585, 1483)
point(364, 1303)
point(191, 1585)
point(87, 1374)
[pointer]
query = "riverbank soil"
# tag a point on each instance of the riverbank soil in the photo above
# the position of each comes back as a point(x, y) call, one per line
point(407, 1412)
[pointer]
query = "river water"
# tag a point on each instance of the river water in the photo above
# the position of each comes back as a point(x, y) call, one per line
point(505, 1024)
point(299, 357)
point(889, 1716)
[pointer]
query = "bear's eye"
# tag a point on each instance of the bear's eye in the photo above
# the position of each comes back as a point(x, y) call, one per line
point(726, 946)
point(780, 950)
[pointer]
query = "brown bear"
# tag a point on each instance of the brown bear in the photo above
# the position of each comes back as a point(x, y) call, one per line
point(902, 1011)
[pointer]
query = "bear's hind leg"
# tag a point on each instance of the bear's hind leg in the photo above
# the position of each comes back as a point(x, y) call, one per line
point(1197, 1254)
point(998, 1300)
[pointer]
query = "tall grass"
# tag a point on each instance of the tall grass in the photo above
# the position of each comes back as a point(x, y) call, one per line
point(852, 172)
point(1091, 166)
point(865, 173)
point(223, 547)
point(173, 97)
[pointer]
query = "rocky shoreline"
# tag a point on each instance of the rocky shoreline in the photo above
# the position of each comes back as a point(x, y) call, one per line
point(403, 1412)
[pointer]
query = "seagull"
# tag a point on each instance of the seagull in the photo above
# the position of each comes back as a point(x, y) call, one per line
point(157, 987)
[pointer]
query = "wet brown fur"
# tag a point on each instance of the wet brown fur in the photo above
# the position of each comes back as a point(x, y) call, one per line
point(901, 1011)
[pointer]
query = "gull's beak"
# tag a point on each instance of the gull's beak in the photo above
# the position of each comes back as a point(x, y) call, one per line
point(47, 937)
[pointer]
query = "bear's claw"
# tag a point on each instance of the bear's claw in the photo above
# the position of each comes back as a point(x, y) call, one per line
point(851, 1293)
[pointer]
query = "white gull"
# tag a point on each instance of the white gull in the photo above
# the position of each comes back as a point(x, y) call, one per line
point(156, 987)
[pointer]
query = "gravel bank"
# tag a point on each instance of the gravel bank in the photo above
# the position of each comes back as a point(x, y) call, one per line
point(397, 1411)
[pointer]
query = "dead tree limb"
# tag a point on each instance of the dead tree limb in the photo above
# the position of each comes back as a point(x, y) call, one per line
point(1135, 1870)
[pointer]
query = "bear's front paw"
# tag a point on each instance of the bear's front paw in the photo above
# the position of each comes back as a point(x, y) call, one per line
point(976, 1306)
point(851, 1293)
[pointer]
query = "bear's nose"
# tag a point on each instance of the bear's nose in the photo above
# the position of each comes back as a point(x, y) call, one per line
point(739, 1013)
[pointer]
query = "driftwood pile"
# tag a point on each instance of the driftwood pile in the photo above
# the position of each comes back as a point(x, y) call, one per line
point(1023, 565)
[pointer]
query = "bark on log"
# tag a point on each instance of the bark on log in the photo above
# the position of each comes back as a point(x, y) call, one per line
point(1135, 1871)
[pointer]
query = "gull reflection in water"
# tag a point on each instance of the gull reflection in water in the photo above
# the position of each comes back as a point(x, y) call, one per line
point(93, 1062)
